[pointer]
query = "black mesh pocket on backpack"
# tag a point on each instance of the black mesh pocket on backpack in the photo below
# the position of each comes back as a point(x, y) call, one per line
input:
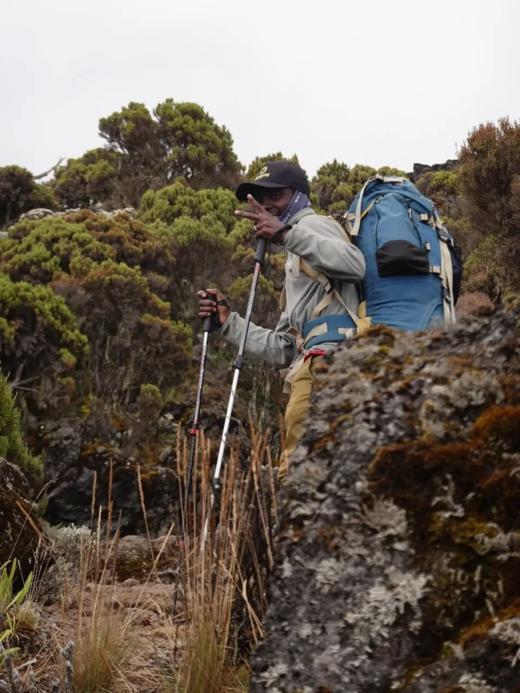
point(401, 257)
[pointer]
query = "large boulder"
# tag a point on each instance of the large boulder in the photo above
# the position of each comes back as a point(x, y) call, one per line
point(398, 554)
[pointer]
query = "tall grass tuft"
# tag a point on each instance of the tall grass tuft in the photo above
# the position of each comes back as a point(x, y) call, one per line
point(225, 573)
point(96, 656)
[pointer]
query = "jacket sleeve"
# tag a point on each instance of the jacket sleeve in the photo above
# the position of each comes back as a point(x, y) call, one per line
point(320, 242)
point(275, 346)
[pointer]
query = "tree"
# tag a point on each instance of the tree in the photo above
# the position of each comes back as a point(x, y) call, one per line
point(202, 228)
point(260, 161)
point(335, 184)
point(331, 187)
point(489, 178)
point(92, 178)
point(19, 193)
point(197, 148)
point(133, 339)
point(178, 140)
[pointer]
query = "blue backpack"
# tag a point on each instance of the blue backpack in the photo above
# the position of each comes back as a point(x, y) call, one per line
point(413, 271)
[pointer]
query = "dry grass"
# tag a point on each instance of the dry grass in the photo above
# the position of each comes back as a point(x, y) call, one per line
point(149, 637)
point(225, 572)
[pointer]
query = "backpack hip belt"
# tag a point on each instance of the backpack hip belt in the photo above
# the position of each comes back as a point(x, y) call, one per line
point(328, 328)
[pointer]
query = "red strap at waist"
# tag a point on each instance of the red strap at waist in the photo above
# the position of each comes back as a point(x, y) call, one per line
point(315, 351)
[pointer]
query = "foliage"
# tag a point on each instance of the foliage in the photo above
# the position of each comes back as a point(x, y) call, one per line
point(92, 178)
point(12, 446)
point(210, 206)
point(443, 187)
point(132, 336)
point(36, 325)
point(259, 162)
point(178, 140)
point(37, 250)
point(336, 184)
point(17, 618)
point(266, 299)
point(331, 187)
point(115, 275)
point(203, 231)
point(19, 193)
point(197, 148)
point(490, 185)
point(9, 599)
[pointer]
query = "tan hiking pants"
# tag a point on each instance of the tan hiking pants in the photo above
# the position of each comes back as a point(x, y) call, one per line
point(297, 410)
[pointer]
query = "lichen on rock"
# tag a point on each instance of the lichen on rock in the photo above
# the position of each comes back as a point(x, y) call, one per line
point(397, 556)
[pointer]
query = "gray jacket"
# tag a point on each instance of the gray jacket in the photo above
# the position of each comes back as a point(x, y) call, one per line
point(322, 243)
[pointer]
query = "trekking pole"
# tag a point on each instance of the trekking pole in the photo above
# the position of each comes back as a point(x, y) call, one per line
point(208, 326)
point(239, 362)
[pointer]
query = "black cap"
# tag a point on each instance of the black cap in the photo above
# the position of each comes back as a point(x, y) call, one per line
point(276, 174)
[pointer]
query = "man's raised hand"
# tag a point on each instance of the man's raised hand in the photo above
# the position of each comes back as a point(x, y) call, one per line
point(265, 224)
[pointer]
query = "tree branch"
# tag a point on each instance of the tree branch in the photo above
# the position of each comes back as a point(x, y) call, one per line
point(53, 168)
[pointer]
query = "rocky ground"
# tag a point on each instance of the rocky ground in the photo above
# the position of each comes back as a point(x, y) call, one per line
point(75, 614)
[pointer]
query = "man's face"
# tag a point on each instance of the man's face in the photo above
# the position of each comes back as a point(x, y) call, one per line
point(274, 201)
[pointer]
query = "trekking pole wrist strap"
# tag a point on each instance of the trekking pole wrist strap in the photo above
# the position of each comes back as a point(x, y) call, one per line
point(279, 236)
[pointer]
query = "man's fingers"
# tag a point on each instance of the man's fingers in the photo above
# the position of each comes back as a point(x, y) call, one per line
point(246, 215)
point(255, 204)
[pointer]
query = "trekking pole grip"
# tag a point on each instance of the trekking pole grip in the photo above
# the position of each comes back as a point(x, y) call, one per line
point(261, 249)
point(212, 322)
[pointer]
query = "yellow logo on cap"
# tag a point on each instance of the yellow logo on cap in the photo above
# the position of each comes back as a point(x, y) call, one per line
point(264, 173)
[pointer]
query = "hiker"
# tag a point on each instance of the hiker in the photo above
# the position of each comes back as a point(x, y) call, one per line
point(321, 299)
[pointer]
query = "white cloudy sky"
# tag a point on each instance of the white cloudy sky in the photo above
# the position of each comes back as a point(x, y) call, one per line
point(370, 81)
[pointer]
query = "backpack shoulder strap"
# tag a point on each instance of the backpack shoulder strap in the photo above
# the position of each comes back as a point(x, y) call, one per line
point(361, 321)
point(446, 272)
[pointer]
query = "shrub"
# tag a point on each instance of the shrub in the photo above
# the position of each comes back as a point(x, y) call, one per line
point(37, 330)
point(19, 193)
point(12, 446)
point(490, 185)
point(89, 179)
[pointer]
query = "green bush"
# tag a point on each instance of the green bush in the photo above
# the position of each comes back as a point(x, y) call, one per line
point(36, 324)
point(335, 184)
point(90, 179)
point(12, 447)
point(19, 193)
point(179, 200)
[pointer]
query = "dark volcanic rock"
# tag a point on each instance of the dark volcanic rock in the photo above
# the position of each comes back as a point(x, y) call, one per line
point(83, 472)
point(18, 535)
point(398, 555)
point(421, 169)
